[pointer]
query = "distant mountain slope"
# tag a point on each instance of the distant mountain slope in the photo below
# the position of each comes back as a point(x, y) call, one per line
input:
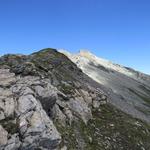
point(130, 89)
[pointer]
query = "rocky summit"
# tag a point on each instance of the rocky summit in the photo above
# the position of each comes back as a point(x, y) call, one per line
point(48, 103)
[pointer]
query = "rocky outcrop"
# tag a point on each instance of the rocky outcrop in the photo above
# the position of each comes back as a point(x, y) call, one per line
point(39, 91)
point(3, 136)
point(22, 111)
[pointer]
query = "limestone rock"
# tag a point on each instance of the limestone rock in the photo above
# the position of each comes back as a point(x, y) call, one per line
point(13, 143)
point(80, 108)
point(6, 77)
point(3, 136)
point(59, 116)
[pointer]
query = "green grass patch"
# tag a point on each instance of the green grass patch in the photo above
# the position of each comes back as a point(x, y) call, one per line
point(110, 129)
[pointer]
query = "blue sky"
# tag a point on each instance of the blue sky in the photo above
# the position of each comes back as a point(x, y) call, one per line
point(118, 30)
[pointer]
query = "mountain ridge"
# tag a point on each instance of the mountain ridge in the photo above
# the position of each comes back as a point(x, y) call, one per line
point(88, 54)
point(48, 103)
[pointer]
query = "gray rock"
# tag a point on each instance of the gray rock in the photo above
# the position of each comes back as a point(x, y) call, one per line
point(7, 104)
point(81, 109)
point(2, 116)
point(47, 97)
point(6, 77)
point(26, 103)
point(3, 136)
point(40, 128)
point(13, 143)
point(59, 115)
point(23, 125)
point(68, 114)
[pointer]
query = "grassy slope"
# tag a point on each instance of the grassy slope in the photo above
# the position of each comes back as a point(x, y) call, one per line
point(110, 129)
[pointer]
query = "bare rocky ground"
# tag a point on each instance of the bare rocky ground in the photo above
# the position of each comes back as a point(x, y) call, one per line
point(48, 103)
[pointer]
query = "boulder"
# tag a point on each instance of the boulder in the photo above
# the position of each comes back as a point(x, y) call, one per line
point(81, 109)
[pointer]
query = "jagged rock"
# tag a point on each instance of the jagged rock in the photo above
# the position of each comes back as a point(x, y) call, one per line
point(33, 125)
point(23, 126)
point(99, 99)
point(68, 114)
point(59, 115)
point(2, 116)
point(47, 97)
point(3, 136)
point(26, 103)
point(80, 108)
point(14, 143)
point(86, 96)
point(37, 91)
point(6, 77)
point(7, 104)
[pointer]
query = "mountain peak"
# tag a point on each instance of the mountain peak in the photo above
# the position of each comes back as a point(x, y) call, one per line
point(86, 53)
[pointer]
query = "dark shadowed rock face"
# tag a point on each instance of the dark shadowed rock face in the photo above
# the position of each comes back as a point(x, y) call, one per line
point(47, 103)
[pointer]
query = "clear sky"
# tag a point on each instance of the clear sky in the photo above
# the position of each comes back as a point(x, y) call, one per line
point(118, 30)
